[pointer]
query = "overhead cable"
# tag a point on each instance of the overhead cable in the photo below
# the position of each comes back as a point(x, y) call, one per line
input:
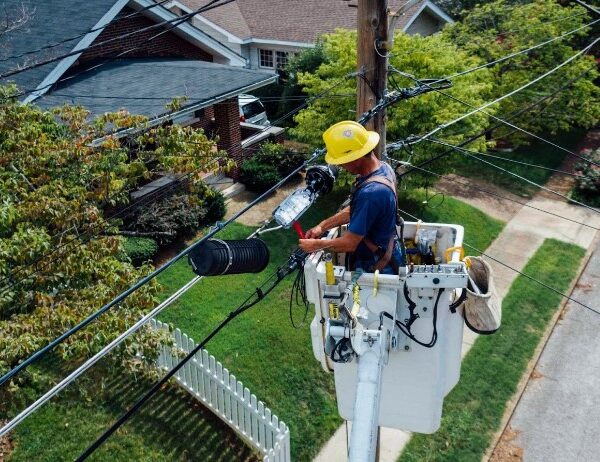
point(470, 185)
point(509, 94)
point(123, 295)
point(82, 34)
point(252, 300)
point(469, 153)
point(106, 349)
point(505, 122)
point(483, 132)
point(178, 19)
point(531, 278)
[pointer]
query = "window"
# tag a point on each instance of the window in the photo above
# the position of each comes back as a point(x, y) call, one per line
point(265, 58)
point(282, 59)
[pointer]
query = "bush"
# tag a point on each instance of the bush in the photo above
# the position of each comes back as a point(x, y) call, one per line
point(139, 249)
point(587, 186)
point(269, 165)
point(179, 215)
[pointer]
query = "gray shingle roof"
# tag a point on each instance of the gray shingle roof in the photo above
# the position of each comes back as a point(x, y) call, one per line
point(50, 21)
point(119, 85)
point(289, 20)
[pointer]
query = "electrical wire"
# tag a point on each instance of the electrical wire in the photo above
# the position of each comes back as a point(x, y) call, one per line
point(505, 122)
point(178, 20)
point(509, 94)
point(492, 193)
point(82, 34)
point(513, 115)
point(469, 153)
point(298, 293)
point(541, 167)
point(258, 295)
point(123, 295)
point(517, 53)
point(531, 278)
point(107, 349)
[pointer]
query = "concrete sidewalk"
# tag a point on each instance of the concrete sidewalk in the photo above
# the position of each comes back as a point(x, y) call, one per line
point(556, 418)
point(515, 245)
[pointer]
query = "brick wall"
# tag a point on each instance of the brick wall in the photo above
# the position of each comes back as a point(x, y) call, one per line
point(206, 121)
point(168, 45)
point(227, 127)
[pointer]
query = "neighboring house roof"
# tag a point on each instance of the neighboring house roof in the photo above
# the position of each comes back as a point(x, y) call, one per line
point(46, 22)
point(300, 21)
point(146, 86)
point(52, 21)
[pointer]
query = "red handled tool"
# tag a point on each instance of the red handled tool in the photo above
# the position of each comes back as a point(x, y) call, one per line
point(298, 229)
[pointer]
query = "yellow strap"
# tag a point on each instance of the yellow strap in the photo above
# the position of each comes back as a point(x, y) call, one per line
point(375, 283)
point(449, 250)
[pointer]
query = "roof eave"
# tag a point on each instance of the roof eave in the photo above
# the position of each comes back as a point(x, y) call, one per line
point(186, 110)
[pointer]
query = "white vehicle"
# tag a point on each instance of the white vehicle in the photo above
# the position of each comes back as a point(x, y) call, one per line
point(252, 110)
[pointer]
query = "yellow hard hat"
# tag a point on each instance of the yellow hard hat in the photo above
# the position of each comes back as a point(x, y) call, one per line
point(347, 141)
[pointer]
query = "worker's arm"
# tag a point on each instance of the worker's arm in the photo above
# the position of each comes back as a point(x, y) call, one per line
point(347, 243)
point(339, 219)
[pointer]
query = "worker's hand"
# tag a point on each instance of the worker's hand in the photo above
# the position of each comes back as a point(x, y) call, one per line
point(310, 245)
point(314, 233)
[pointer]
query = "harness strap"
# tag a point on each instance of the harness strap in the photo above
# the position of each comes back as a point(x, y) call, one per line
point(384, 255)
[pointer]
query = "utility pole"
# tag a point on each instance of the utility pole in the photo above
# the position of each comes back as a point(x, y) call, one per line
point(372, 30)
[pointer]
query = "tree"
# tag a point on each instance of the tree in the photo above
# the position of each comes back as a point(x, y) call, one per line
point(493, 30)
point(423, 57)
point(58, 259)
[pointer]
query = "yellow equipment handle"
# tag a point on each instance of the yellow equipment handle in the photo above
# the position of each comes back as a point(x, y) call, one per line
point(450, 250)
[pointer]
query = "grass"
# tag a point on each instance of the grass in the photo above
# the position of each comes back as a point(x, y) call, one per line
point(495, 364)
point(261, 348)
point(537, 153)
point(171, 427)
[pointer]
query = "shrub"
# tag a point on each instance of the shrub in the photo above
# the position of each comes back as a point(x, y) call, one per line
point(587, 186)
point(139, 249)
point(269, 165)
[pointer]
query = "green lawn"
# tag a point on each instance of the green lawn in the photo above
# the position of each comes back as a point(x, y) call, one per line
point(173, 426)
point(537, 153)
point(495, 364)
point(260, 347)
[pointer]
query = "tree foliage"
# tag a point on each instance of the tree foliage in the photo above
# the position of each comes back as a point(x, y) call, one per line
point(493, 30)
point(59, 261)
point(422, 57)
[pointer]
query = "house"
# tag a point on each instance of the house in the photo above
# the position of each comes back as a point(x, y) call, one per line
point(92, 54)
point(266, 32)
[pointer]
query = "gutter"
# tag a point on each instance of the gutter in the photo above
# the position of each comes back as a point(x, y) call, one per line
point(185, 111)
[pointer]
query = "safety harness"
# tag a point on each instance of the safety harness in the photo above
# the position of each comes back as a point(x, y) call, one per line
point(384, 255)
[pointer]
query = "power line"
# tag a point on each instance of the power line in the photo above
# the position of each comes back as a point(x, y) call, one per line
point(483, 132)
point(507, 95)
point(258, 295)
point(541, 167)
point(123, 295)
point(517, 53)
point(469, 153)
point(505, 122)
point(106, 349)
point(492, 193)
point(531, 278)
point(83, 34)
point(178, 20)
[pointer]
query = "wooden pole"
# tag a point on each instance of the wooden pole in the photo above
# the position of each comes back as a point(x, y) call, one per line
point(372, 28)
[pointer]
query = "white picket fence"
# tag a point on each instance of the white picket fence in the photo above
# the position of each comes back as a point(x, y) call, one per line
point(209, 382)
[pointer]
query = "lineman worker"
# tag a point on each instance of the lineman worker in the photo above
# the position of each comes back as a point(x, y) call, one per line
point(372, 213)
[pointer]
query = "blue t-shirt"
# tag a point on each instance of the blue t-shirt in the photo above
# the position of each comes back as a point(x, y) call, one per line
point(373, 211)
